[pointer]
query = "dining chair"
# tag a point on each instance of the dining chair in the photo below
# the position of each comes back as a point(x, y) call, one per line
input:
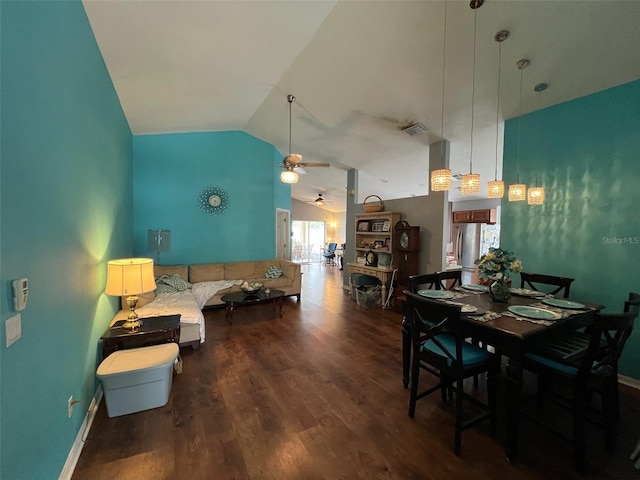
point(439, 347)
point(534, 280)
point(454, 276)
point(592, 372)
point(424, 281)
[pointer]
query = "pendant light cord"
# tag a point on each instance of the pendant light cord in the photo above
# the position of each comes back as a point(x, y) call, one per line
point(291, 98)
point(473, 84)
point(495, 176)
point(519, 129)
point(444, 68)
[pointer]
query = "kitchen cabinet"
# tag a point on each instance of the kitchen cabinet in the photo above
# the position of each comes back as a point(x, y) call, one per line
point(487, 215)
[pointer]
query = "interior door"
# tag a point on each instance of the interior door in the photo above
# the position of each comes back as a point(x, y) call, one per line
point(283, 234)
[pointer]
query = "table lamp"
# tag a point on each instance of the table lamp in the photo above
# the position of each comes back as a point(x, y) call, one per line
point(129, 277)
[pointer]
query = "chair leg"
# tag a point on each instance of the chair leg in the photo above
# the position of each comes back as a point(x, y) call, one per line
point(457, 447)
point(610, 411)
point(578, 430)
point(492, 397)
point(415, 373)
point(406, 352)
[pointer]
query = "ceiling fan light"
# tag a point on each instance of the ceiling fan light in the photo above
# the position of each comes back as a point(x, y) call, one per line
point(289, 176)
point(440, 180)
point(535, 196)
point(495, 189)
point(470, 184)
point(517, 192)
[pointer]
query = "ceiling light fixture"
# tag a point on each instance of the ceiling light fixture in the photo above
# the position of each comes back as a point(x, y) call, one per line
point(495, 187)
point(535, 195)
point(518, 191)
point(471, 181)
point(441, 178)
point(288, 175)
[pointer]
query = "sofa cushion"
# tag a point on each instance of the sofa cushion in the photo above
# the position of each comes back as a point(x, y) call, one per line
point(273, 272)
point(206, 272)
point(240, 271)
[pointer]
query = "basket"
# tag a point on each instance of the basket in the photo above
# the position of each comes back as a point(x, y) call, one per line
point(369, 297)
point(373, 207)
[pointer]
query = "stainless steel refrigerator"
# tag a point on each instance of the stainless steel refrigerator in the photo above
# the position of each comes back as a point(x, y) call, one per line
point(470, 242)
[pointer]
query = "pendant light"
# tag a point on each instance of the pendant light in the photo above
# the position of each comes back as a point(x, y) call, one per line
point(518, 191)
point(495, 187)
point(471, 181)
point(289, 175)
point(441, 178)
point(535, 195)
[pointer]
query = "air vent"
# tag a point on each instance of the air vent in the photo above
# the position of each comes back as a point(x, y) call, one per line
point(457, 176)
point(414, 129)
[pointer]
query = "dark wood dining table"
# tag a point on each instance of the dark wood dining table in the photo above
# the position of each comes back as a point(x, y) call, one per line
point(511, 337)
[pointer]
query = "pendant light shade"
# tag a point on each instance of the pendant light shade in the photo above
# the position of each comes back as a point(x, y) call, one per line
point(535, 196)
point(517, 192)
point(288, 175)
point(495, 189)
point(470, 184)
point(471, 181)
point(441, 178)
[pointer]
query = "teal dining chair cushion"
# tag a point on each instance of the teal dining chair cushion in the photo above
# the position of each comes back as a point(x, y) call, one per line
point(471, 354)
point(552, 364)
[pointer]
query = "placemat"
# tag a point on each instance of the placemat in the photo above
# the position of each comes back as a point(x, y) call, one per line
point(546, 323)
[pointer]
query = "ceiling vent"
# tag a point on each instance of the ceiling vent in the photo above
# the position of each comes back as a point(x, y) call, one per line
point(414, 129)
point(457, 176)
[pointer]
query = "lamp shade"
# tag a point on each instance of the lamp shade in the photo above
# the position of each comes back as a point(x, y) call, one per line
point(470, 184)
point(130, 276)
point(495, 189)
point(535, 196)
point(289, 176)
point(440, 180)
point(517, 192)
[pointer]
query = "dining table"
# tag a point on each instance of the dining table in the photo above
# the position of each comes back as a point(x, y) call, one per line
point(512, 335)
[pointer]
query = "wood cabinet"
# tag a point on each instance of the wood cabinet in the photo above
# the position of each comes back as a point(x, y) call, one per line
point(374, 235)
point(488, 215)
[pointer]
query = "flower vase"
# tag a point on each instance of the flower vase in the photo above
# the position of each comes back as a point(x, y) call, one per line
point(500, 291)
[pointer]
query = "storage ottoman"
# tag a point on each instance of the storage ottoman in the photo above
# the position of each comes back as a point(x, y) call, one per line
point(137, 379)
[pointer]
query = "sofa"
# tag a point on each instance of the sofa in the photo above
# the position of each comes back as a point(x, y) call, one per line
point(290, 280)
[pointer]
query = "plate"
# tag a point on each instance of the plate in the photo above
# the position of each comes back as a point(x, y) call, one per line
point(558, 302)
point(524, 292)
point(466, 308)
point(435, 293)
point(533, 312)
point(476, 288)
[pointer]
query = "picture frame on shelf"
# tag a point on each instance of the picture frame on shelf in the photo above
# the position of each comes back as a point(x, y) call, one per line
point(387, 242)
point(378, 243)
point(386, 226)
point(377, 226)
point(363, 226)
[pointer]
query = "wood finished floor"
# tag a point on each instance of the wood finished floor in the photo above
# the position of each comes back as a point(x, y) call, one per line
point(317, 394)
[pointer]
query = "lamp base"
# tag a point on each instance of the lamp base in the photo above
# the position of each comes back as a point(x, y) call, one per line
point(131, 324)
point(133, 321)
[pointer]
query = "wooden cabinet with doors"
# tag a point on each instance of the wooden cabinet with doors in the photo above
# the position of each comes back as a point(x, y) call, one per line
point(487, 215)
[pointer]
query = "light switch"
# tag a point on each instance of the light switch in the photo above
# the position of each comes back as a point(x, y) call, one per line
point(13, 329)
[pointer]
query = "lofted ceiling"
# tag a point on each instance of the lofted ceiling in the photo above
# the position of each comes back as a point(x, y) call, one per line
point(360, 72)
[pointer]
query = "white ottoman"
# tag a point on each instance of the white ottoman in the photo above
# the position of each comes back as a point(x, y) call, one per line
point(137, 379)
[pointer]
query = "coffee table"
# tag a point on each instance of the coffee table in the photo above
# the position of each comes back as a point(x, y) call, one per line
point(235, 299)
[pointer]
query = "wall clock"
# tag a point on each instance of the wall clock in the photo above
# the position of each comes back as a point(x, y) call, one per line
point(213, 200)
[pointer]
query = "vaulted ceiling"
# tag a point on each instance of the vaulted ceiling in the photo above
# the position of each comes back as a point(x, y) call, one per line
point(360, 72)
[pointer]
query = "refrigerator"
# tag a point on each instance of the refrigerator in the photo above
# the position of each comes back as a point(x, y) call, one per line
point(470, 242)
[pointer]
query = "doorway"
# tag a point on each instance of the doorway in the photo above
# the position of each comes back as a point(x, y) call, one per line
point(307, 241)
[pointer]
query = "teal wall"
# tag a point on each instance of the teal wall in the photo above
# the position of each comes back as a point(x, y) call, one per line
point(66, 198)
point(586, 153)
point(170, 173)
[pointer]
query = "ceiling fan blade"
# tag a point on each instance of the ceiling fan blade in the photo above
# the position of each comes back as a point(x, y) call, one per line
point(314, 164)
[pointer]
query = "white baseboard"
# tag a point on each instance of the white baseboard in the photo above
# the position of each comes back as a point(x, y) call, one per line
point(78, 444)
point(629, 382)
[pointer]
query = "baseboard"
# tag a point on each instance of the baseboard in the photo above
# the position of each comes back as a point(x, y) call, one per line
point(78, 444)
point(629, 382)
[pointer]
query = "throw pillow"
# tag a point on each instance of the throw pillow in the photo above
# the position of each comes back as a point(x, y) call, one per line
point(175, 281)
point(164, 288)
point(273, 272)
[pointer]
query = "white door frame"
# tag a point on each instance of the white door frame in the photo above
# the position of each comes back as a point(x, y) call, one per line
point(283, 234)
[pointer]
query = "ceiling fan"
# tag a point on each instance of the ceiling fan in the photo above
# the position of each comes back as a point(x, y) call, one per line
point(294, 160)
point(318, 202)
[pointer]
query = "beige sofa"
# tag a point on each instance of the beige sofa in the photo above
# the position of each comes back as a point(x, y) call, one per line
point(290, 282)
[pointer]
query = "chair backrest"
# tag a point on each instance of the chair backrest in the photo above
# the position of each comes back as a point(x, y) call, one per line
point(455, 275)
point(533, 280)
point(425, 281)
point(332, 247)
point(427, 320)
point(633, 304)
point(615, 328)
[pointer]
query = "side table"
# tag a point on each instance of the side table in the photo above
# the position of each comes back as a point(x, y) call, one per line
point(153, 331)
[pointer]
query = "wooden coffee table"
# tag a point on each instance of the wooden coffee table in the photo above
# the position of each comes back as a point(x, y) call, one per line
point(233, 300)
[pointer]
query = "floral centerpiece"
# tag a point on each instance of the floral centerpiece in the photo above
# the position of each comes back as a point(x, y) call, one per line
point(495, 266)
